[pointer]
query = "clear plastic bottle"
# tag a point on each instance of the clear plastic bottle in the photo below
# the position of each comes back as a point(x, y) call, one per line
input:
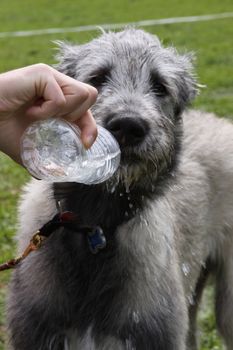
point(52, 150)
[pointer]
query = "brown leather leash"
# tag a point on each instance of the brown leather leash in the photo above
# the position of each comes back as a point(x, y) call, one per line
point(35, 243)
point(68, 219)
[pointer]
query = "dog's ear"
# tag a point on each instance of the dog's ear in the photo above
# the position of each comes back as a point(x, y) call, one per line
point(186, 80)
point(67, 58)
point(179, 76)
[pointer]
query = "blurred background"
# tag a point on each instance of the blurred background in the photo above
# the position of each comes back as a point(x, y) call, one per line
point(22, 44)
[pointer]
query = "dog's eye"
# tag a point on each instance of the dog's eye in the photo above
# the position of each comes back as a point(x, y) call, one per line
point(98, 80)
point(158, 87)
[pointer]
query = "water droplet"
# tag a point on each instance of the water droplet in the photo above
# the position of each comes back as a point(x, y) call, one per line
point(121, 194)
point(191, 300)
point(130, 205)
point(129, 343)
point(126, 213)
point(144, 221)
point(152, 188)
point(191, 288)
point(136, 317)
point(113, 188)
point(185, 268)
point(203, 264)
point(127, 185)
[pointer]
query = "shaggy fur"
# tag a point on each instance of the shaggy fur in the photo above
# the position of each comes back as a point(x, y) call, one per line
point(166, 214)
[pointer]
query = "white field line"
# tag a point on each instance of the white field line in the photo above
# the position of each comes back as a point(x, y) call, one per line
point(108, 26)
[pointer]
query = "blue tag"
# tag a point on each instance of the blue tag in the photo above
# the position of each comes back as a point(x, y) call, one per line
point(96, 240)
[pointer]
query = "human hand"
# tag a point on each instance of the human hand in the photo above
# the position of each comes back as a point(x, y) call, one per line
point(39, 92)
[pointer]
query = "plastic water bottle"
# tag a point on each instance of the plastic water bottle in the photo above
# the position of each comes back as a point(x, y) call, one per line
point(52, 150)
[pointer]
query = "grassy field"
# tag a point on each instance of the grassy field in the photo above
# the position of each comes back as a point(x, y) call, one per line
point(211, 41)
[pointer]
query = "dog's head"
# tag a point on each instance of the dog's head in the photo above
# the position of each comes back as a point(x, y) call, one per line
point(143, 90)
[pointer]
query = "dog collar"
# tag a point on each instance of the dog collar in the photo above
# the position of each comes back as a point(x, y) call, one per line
point(95, 237)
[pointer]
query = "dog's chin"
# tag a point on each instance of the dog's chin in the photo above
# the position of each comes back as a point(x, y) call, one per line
point(140, 171)
point(132, 159)
point(134, 171)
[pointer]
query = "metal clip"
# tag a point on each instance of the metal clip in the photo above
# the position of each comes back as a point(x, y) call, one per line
point(37, 240)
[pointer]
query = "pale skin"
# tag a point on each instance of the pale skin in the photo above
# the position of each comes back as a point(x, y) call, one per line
point(39, 92)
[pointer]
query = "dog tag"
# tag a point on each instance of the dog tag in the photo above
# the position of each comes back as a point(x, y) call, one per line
point(96, 240)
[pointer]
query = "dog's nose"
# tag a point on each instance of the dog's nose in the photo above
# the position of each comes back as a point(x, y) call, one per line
point(128, 131)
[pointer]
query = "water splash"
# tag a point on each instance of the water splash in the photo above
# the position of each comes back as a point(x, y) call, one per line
point(176, 188)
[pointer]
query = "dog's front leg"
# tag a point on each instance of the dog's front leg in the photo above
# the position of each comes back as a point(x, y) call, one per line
point(154, 307)
point(37, 307)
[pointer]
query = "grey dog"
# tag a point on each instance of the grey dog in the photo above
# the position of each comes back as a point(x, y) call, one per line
point(166, 214)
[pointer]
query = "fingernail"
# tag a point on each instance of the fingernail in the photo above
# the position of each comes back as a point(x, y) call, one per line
point(88, 141)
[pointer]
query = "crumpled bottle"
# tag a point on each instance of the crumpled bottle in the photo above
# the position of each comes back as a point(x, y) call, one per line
point(52, 150)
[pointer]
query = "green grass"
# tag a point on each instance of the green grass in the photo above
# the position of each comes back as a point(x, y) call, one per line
point(12, 177)
point(211, 41)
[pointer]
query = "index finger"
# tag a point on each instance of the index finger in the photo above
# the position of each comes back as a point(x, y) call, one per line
point(79, 96)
